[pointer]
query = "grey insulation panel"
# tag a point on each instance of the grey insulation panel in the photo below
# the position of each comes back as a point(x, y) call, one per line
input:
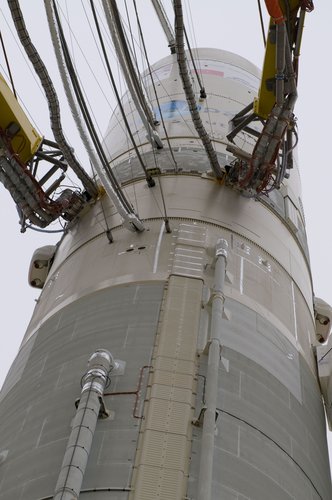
point(36, 413)
point(254, 336)
point(267, 439)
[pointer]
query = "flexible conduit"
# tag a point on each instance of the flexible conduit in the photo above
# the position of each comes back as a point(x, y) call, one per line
point(211, 391)
point(266, 149)
point(24, 197)
point(31, 200)
point(189, 92)
point(112, 18)
point(51, 96)
point(76, 456)
point(129, 218)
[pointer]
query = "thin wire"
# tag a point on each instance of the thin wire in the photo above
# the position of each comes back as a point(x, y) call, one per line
point(132, 38)
point(91, 108)
point(31, 71)
point(133, 50)
point(7, 63)
point(262, 22)
point(77, 76)
point(87, 62)
point(157, 202)
point(275, 442)
point(193, 33)
point(200, 77)
point(166, 220)
point(24, 56)
point(200, 82)
point(147, 175)
point(22, 103)
point(134, 187)
point(71, 35)
point(137, 88)
point(191, 23)
point(185, 123)
point(136, 128)
point(106, 72)
point(153, 84)
point(135, 58)
point(87, 117)
point(49, 231)
point(201, 86)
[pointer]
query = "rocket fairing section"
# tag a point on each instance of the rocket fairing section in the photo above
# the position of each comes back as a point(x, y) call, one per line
point(212, 324)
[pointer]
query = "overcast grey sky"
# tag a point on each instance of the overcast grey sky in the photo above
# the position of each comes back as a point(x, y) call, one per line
point(222, 24)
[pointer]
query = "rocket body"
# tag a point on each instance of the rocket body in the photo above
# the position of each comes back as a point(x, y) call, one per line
point(148, 298)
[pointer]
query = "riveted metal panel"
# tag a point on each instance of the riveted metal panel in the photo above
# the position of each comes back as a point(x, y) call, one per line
point(37, 411)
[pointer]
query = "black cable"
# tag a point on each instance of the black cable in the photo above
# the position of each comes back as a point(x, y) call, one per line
point(51, 97)
point(133, 76)
point(262, 23)
point(78, 92)
point(321, 359)
point(148, 177)
point(201, 86)
point(87, 117)
point(273, 441)
point(7, 64)
point(153, 84)
point(44, 230)
point(133, 50)
point(166, 219)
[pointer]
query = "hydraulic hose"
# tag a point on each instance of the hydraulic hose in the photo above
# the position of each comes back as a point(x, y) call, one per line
point(130, 219)
point(189, 92)
point(51, 97)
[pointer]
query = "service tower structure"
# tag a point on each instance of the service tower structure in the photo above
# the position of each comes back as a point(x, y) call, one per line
point(201, 332)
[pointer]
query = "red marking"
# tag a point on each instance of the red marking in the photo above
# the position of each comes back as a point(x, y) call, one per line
point(209, 72)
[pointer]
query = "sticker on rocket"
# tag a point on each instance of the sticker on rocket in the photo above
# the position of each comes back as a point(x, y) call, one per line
point(227, 71)
point(173, 109)
point(179, 108)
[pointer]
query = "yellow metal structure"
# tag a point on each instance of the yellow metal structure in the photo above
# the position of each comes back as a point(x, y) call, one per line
point(26, 141)
point(265, 101)
point(266, 96)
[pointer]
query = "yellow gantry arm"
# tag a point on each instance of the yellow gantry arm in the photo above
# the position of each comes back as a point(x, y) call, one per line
point(15, 125)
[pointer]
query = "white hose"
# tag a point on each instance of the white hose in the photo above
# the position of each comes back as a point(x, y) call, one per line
point(131, 221)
